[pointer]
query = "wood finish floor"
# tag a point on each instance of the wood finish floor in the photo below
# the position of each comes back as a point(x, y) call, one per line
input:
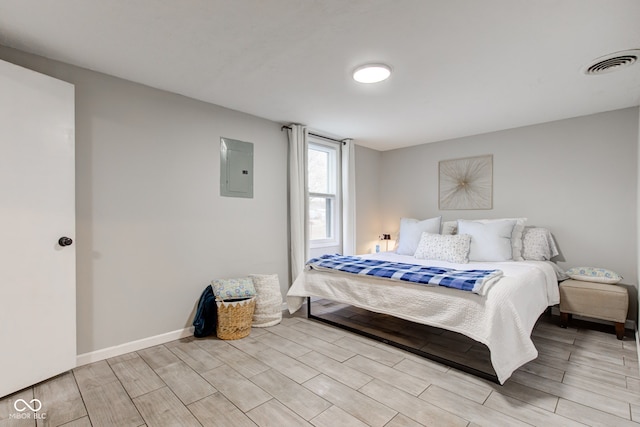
point(439, 343)
point(302, 372)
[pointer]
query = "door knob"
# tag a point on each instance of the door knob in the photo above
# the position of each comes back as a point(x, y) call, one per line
point(65, 241)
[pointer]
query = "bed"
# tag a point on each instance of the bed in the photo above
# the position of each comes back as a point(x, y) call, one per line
point(501, 315)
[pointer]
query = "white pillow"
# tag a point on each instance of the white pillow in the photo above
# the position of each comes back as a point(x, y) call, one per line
point(490, 241)
point(516, 235)
point(411, 231)
point(538, 244)
point(451, 248)
point(593, 274)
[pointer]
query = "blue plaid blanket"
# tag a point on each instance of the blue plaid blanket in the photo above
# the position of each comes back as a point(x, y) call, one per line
point(466, 280)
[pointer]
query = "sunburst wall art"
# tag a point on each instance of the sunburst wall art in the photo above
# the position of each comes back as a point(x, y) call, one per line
point(466, 183)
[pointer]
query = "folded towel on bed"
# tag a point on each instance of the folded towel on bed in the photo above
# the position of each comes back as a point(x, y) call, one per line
point(465, 280)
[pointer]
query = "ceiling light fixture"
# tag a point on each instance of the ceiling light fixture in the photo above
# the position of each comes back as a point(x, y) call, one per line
point(371, 73)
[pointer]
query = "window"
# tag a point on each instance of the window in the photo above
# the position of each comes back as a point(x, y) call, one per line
point(323, 178)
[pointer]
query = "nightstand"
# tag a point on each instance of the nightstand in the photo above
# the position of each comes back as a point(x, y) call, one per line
point(592, 299)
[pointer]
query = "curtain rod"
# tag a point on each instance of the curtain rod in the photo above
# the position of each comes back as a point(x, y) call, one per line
point(317, 136)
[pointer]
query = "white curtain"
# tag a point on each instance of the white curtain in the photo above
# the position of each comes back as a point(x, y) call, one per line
point(298, 229)
point(348, 198)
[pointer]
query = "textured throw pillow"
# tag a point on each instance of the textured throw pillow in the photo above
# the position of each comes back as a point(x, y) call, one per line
point(268, 311)
point(516, 235)
point(450, 248)
point(449, 227)
point(411, 231)
point(538, 244)
point(593, 274)
point(490, 241)
point(226, 289)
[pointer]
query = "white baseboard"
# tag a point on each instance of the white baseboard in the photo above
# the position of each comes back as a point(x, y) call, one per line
point(118, 350)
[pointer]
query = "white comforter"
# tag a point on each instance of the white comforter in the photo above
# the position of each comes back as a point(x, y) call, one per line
point(502, 318)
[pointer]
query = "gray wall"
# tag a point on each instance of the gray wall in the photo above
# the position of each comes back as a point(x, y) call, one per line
point(152, 229)
point(577, 177)
point(368, 226)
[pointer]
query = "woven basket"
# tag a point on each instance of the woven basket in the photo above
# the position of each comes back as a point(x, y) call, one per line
point(234, 318)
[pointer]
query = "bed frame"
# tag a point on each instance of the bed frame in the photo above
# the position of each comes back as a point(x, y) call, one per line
point(397, 344)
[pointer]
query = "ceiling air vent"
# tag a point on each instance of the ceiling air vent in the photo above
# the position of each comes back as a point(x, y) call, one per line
point(612, 62)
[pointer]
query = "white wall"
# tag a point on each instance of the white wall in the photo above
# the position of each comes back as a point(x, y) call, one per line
point(577, 177)
point(152, 229)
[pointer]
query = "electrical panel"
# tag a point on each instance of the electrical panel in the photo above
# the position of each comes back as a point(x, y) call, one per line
point(236, 168)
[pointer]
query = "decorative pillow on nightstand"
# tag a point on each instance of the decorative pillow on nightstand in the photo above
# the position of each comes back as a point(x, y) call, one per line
point(593, 274)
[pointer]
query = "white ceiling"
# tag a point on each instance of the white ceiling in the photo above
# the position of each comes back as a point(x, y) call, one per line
point(461, 67)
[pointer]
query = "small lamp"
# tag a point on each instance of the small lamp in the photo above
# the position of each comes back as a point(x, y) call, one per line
point(386, 238)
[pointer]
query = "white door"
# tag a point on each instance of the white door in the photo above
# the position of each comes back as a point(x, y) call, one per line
point(37, 208)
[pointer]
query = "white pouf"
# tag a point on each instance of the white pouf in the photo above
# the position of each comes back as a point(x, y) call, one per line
point(268, 311)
